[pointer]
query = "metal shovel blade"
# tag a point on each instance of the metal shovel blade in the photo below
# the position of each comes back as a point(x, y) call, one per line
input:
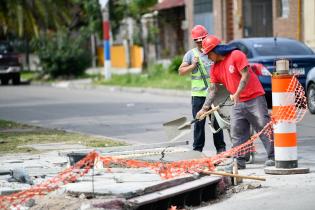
point(172, 131)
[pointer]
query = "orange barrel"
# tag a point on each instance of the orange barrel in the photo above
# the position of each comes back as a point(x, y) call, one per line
point(283, 111)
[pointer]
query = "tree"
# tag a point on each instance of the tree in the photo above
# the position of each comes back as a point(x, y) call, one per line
point(119, 9)
point(28, 17)
point(137, 9)
point(64, 54)
point(117, 12)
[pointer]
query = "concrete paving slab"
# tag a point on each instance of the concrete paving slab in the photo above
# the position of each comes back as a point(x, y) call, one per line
point(124, 170)
point(107, 188)
point(14, 161)
point(124, 177)
point(173, 191)
point(125, 189)
point(178, 156)
point(8, 190)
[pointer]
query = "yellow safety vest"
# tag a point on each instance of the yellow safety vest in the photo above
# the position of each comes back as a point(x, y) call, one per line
point(199, 78)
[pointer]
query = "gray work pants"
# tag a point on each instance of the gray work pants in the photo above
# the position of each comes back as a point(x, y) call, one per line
point(253, 112)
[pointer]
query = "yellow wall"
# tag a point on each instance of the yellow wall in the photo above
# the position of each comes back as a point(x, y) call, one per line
point(136, 56)
point(118, 56)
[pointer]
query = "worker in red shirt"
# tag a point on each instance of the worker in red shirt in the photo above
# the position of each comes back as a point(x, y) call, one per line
point(232, 69)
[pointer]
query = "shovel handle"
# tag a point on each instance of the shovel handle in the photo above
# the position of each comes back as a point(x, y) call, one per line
point(233, 175)
point(213, 109)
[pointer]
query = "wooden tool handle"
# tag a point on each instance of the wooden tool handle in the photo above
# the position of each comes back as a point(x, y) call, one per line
point(208, 112)
point(233, 175)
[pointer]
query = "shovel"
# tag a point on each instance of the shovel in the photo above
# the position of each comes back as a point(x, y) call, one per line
point(179, 127)
point(171, 129)
point(213, 109)
point(187, 125)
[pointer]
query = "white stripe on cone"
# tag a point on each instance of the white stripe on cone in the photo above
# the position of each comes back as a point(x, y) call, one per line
point(283, 99)
point(285, 153)
point(285, 127)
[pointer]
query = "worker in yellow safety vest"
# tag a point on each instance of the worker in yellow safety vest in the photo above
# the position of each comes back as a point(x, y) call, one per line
point(198, 65)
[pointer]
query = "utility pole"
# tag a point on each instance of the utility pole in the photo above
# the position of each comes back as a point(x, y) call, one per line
point(106, 38)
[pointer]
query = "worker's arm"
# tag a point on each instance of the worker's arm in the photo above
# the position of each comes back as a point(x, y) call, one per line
point(243, 82)
point(185, 68)
point(213, 89)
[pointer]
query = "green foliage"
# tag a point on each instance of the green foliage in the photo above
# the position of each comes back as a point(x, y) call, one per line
point(117, 12)
point(157, 77)
point(119, 9)
point(27, 18)
point(156, 70)
point(62, 55)
point(90, 16)
point(152, 34)
point(140, 7)
point(175, 63)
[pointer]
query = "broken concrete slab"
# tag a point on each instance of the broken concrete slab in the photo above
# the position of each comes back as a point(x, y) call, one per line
point(125, 189)
point(14, 161)
point(43, 172)
point(173, 191)
point(123, 170)
point(9, 190)
point(132, 148)
point(72, 203)
point(123, 177)
point(173, 157)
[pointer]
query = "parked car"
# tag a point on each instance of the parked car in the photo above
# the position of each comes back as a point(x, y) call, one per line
point(267, 50)
point(10, 67)
point(310, 89)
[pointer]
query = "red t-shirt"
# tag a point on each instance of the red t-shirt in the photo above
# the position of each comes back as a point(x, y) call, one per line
point(227, 72)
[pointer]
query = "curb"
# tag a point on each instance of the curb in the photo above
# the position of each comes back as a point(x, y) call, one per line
point(87, 85)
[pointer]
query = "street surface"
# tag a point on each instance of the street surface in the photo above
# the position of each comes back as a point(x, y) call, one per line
point(134, 117)
point(137, 117)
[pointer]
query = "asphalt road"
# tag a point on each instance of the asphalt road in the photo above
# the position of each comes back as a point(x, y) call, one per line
point(133, 117)
point(138, 118)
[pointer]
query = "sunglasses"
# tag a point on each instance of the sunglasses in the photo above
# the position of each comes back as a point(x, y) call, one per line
point(197, 40)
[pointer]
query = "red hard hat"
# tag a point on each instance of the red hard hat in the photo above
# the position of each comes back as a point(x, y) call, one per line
point(199, 32)
point(209, 43)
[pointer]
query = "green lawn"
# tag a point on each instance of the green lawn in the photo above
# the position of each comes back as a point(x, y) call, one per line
point(164, 81)
point(14, 135)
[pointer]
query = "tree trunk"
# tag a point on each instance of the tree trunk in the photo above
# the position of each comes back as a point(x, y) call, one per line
point(144, 46)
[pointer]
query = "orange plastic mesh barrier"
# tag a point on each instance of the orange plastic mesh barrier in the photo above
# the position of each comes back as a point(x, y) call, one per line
point(166, 170)
point(71, 174)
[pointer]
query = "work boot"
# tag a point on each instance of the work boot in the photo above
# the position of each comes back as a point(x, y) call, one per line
point(197, 149)
point(270, 162)
point(229, 168)
point(221, 150)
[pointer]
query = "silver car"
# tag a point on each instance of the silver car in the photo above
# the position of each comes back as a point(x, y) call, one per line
point(310, 90)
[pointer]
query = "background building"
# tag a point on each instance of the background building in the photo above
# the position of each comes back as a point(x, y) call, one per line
point(233, 19)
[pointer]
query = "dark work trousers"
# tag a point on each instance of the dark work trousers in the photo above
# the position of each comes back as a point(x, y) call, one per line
point(253, 112)
point(199, 128)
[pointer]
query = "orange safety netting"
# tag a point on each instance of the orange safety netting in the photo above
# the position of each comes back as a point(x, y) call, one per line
point(292, 114)
point(71, 174)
